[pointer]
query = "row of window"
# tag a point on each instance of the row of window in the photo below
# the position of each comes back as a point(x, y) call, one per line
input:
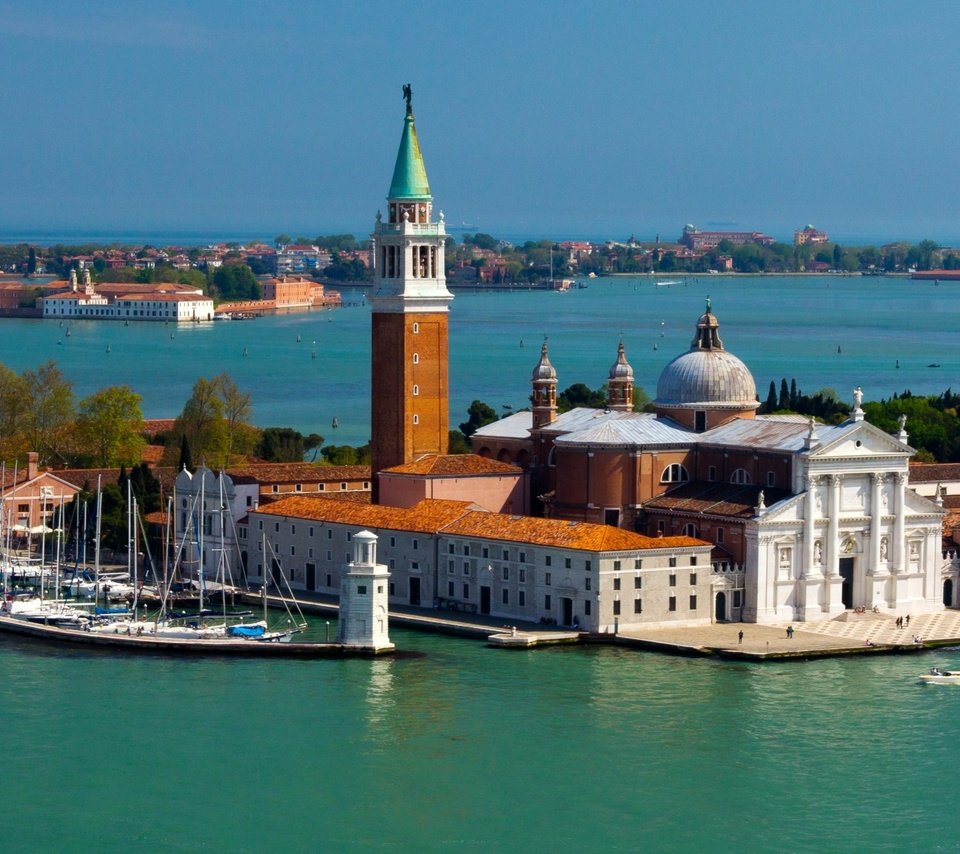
point(677, 473)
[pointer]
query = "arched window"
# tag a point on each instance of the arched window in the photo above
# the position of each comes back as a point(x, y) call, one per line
point(690, 530)
point(416, 328)
point(740, 476)
point(675, 473)
point(416, 390)
point(416, 358)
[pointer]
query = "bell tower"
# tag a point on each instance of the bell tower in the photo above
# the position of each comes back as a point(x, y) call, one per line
point(410, 303)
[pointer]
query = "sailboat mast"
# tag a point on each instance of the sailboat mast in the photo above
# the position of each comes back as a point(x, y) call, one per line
point(96, 547)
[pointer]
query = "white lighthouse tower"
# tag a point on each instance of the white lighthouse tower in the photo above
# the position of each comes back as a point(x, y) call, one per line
point(363, 598)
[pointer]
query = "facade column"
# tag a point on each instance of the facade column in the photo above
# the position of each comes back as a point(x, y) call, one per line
point(899, 508)
point(876, 518)
point(807, 566)
point(833, 520)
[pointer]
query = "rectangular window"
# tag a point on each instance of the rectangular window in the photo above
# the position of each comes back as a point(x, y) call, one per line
point(673, 579)
point(638, 606)
point(719, 536)
point(616, 566)
point(673, 603)
point(393, 563)
point(661, 526)
point(506, 555)
point(547, 603)
point(771, 478)
point(693, 579)
point(693, 560)
point(466, 591)
point(567, 562)
point(586, 583)
point(711, 472)
point(505, 596)
point(466, 568)
point(329, 580)
point(616, 582)
point(523, 557)
point(329, 533)
point(485, 552)
point(673, 561)
point(450, 592)
point(361, 589)
point(638, 563)
point(416, 545)
point(414, 566)
point(451, 567)
point(588, 565)
point(546, 579)
point(586, 607)
point(392, 588)
point(737, 598)
point(547, 561)
point(466, 550)
point(523, 575)
point(616, 607)
point(693, 601)
point(637, 582)
point(329, 555)
point(450, 548)
point(522, 599)
point(293, 551)
point(506, 573)
point(393, 542)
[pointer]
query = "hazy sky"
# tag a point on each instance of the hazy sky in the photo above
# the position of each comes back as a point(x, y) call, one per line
point(558, 119)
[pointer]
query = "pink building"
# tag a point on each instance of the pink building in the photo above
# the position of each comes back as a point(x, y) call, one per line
point(492, 485)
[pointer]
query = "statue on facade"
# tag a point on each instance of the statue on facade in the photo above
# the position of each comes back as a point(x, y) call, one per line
point(857, 397)
point(883, 548)
point(407, 94)
point(817, 553)
point(902, 421)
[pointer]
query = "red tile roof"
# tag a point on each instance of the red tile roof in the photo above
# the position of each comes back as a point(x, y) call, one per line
point(455, 465)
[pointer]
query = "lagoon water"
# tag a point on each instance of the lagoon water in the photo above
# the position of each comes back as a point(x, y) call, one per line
point(460, 747)
point(836, 332)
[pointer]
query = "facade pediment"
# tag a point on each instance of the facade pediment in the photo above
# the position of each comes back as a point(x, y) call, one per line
point(859, 439)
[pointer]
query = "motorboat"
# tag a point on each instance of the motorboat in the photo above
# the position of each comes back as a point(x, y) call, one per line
point(941, 677)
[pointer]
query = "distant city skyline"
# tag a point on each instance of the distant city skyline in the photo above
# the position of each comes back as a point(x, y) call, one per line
point(547, 120)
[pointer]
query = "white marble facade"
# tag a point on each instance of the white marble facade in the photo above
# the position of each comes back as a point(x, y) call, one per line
point(853, 536)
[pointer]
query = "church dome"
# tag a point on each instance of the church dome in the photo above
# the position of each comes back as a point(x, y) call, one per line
point(707, 376)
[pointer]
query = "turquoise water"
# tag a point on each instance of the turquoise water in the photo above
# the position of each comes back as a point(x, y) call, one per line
point(780, 326)
point(467, 748)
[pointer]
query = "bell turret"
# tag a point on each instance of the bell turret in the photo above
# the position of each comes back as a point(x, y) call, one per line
point(544, 390)
point(620, 383)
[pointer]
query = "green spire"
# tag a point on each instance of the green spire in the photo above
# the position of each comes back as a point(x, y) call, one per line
point(409, 175)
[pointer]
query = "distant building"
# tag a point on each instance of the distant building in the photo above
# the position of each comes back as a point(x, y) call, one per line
point(701, 241)
point(301, 258)
point(127, 302)
point(810, 235)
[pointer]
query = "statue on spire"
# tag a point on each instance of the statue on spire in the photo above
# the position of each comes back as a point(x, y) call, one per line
point(407, 94)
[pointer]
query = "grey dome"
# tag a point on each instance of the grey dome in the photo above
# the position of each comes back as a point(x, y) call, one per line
point(707, 376)
point(621, 370)
point(544, 370)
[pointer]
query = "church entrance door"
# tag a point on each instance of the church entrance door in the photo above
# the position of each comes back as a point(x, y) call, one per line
point(567, 605)
point(846, 573)
point(720, 614)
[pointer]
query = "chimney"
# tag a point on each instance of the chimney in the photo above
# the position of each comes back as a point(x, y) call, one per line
point(33, 459)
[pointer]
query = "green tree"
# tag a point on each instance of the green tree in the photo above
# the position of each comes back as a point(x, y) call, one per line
point(49, 411)
point(202, 424)
point(784, 402)
point(580, 394)
point(285, 445)
point(478, 414)
point(771, 404)
point(237, 411)
point(235, 282)
point(110, 427)
point(281, 240)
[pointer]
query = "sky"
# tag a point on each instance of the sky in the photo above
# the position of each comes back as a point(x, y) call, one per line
point(536, 119)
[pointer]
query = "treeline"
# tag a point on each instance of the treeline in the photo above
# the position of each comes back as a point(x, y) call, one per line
point(932, 424)
point(40, 412)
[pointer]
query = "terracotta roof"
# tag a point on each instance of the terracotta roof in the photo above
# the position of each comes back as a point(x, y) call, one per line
point(934, 472)
point(455, 465)
point(561, 534)
point(461, 518)
point(78, 477)
point(716, 499)
point(152, 426)
point(427, 516)
point(298, 472)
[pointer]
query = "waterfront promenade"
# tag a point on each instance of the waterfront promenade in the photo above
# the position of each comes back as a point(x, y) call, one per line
point(849, 634)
